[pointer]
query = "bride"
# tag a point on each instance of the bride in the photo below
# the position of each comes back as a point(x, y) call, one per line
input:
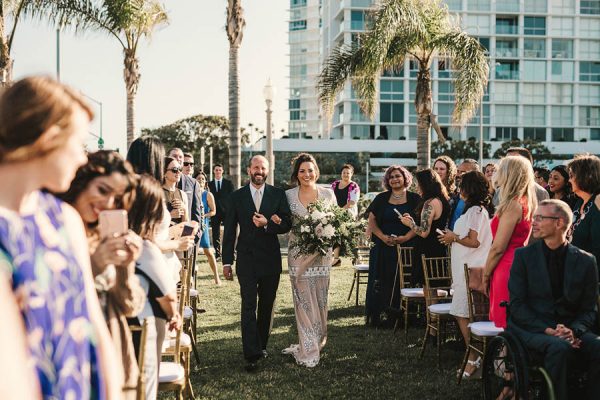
point(309, 275)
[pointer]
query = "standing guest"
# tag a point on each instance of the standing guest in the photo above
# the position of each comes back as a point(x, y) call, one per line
point(188, 164)
point(191, 188)
point(107, 182)
point(457, 205)
point(176, 200)
point(585, 180)
point(471, 241)
point(309, 275)
point(541, 174)
point(511, 227)
point(261, 212)
point(346, 193)
point(43, 125)
point(446, 169)
point(540, 192)
point(490, 170)
point(208, 202)
point(553, 300)
point(560, 187)
point(386, 232)
point(221, 188)
point(433, 210)
point(160, 306)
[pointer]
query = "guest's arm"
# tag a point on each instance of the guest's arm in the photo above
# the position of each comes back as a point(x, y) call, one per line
point(375, 230)
point(430, 210)
point(210, 199)
point(520, 312)
point(586, 318)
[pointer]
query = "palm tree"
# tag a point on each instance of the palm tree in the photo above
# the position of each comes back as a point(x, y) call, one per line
point(235, 32)
point(422, 30)
point(7, 36)
point(126, 20)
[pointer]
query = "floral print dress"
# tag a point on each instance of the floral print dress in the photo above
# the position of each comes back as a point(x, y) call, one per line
point(48, 283)
point(310, 288)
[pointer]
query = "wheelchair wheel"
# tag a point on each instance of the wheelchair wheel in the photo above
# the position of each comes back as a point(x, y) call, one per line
point(505, 370)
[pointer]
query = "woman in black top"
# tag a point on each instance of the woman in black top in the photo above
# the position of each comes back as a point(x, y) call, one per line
point(433, 210)
point(560, 187)
point(584, 172)
point(387, 232)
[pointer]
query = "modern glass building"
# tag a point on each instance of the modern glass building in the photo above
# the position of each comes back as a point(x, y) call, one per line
point(544, 79)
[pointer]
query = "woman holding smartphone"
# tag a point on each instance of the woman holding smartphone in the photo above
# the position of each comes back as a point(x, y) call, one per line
point(176, 199)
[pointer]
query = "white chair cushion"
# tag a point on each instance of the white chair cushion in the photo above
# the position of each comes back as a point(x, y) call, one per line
point(170, 342)
point(170, 372)
point(193, 293)
point(440, 308)
point(187, 312)
point(412, 292)
point(485, 328)
point(361, 267)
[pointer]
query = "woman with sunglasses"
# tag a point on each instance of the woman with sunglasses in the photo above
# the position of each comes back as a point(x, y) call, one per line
point(176, 199)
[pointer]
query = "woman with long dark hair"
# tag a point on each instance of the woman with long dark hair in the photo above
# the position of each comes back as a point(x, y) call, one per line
point(433, 211)
point(560, 187)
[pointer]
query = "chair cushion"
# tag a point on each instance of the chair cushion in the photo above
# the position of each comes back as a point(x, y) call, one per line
point(170, 372)
point(169, 342)
point(440, 308)
point(485, 328)
point(361, 267)
point(187, 312)
point(193, 293)
point(412, 292)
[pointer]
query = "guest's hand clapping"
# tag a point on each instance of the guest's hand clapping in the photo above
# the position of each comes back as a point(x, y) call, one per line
point(259, 220)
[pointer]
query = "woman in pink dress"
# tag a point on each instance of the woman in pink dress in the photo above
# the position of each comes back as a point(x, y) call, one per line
point(510, 229)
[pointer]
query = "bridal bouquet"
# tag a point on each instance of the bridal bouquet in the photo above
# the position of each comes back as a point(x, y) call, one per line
point(325, 227)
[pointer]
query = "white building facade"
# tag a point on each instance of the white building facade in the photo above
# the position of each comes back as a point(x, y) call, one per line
point(544, 79)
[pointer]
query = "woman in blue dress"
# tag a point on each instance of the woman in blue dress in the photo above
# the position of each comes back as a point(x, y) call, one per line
point(208, 201)
point(387, 232)
point(43, 126)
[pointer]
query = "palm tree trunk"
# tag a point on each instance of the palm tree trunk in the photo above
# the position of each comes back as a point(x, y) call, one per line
point(5, 61)
point(131, 75)
point(235, 154)
point(423, 105)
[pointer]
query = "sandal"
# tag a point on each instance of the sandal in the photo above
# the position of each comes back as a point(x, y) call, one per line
point(474, 363)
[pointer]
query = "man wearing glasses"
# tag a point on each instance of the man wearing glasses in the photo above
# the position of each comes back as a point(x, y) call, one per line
point(553, 290)
point(188, 164)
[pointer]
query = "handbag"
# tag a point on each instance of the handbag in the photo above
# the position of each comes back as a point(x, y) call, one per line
point(476, 280)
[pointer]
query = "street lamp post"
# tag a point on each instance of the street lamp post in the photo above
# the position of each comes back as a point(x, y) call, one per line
point(269, 93)
point(100, 139)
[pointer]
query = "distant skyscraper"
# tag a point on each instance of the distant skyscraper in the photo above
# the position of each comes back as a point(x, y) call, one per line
point(544, 79)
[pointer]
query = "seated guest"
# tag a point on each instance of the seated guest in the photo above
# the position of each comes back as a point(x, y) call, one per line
point(457, 205)
point(387, 232)
point(106, 182)
point(585, 180)
point(559, 186)
point(160, 287)
point(471, 241)
point(553, 290)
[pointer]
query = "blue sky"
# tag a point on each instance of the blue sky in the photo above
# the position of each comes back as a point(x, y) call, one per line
point(184, 66)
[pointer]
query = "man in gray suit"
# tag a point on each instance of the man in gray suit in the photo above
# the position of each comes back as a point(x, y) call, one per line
point(553, 290)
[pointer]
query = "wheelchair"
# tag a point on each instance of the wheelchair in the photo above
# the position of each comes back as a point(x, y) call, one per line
point(510, 371)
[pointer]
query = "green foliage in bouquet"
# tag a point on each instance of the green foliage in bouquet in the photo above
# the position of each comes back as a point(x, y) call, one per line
point(325, 227)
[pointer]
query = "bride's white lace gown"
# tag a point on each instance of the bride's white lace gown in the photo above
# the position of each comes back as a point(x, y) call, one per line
point(310, 288)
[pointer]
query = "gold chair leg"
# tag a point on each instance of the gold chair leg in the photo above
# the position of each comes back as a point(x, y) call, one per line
point(439, 340)
point(464, 363)
point(352, 287)
point(424, 344)
point(357, 287)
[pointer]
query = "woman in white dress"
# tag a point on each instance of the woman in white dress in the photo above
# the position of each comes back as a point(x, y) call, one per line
point(309, 275)
point(471, 241)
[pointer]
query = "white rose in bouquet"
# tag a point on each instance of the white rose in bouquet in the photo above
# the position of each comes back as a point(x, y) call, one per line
point(328, 231)
point(319, 230)
point(317, 215)
point(304, 229)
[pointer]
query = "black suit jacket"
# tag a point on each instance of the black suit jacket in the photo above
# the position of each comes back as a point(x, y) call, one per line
point(221, 196)
point(191, 188)
point(257, 249)
point(532, 306)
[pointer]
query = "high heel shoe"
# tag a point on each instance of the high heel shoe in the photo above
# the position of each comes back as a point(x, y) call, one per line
point(477, 369)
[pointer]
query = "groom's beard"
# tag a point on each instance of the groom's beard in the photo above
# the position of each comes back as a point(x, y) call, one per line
point(258, 179)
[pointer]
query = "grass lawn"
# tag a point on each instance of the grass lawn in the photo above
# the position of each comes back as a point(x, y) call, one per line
point(357, 362)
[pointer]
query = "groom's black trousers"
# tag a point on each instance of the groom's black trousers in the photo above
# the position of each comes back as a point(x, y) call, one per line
point(256, 315)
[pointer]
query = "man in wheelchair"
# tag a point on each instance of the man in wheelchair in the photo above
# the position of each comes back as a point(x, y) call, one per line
point(553, 290)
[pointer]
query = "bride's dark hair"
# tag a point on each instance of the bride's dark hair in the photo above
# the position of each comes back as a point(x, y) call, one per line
point(297, 161)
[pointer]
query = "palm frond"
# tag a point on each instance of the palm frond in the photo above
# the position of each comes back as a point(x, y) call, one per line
point(470, 72)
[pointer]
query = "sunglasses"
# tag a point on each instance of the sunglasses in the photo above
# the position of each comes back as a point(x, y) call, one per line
point(188, 164)
point(174, 170)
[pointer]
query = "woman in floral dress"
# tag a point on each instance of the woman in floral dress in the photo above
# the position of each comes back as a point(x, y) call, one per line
point(309, 275)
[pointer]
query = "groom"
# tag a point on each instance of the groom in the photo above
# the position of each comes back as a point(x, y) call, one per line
point(262, 212)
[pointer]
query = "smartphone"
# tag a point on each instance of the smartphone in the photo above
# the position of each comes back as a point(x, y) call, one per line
point(187, 230)
point(112, 222)
point(397, 212)
point(439, 231)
